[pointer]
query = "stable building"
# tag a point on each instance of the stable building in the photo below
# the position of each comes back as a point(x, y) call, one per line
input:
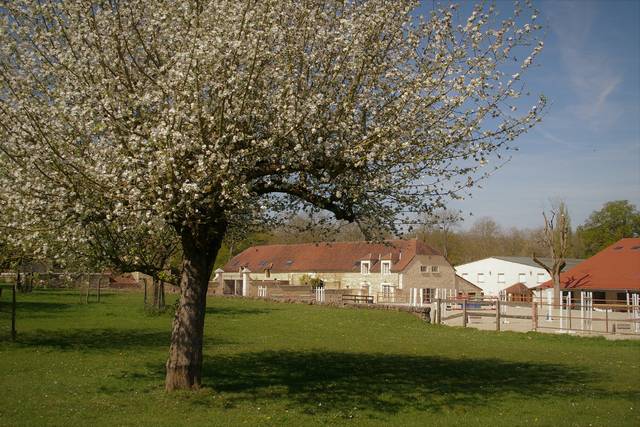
point(495, 274)
point(610, 276)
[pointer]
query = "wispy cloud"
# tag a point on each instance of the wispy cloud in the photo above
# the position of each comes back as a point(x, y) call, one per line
point(589, 70)
point(548, 136)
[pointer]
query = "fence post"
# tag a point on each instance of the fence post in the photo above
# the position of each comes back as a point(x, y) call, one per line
point(534, 315)
point(498, 315)
point(606, 319)
point(13, 312)
point(570, 303)
point(438, 311)
point(464, 313)
point(583, 300)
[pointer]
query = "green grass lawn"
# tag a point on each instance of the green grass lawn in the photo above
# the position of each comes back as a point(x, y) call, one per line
point(274, 364)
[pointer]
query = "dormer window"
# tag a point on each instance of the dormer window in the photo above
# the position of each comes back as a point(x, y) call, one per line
point(365, 267)
point(385, 267)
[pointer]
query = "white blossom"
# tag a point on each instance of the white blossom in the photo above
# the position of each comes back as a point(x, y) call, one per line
point(171, 114)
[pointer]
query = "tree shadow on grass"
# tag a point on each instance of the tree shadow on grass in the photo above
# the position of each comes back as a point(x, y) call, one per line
point(237, 311)
point(104, 340)
point(37, 308)
point(385, 383)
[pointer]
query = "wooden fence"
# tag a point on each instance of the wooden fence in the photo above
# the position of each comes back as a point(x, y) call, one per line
point(605, 317)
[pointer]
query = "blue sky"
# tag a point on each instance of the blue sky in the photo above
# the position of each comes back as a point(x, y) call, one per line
point(586, 151)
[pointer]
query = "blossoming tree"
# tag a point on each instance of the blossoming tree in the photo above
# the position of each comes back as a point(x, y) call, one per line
point(206, 114)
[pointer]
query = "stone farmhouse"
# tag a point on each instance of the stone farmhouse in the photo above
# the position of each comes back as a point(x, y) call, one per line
point(387, 271)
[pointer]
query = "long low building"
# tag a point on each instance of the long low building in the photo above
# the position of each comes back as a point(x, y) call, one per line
point(495, 274)
point(612, 275)
point(368, 268)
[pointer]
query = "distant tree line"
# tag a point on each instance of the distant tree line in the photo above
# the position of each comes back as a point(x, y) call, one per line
point(443, 230)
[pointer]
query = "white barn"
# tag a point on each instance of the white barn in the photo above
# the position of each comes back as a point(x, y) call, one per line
point(496, 273)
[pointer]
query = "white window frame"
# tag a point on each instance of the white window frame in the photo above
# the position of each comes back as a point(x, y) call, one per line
point(434, 269)
point(522, 277)
point(385, 267)
point(363, 271)
point(424, 269)
point(540, 278)
point(387, 289)
point(501, 278)
point(481, 276)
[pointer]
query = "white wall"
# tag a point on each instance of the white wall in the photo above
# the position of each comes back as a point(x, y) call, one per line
point(499, 274)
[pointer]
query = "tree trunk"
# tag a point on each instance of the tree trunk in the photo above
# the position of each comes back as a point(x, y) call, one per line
point(556, 291)
point(184, 366)
point(161, 295)
point(154, 282)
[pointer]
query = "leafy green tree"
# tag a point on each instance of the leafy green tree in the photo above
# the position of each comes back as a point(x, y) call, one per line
point(616, 220)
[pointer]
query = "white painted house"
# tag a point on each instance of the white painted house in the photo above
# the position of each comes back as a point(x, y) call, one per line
point(499, 272)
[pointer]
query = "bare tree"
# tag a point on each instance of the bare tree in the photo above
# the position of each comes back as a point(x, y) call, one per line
point(443, 222)
point(555, 237)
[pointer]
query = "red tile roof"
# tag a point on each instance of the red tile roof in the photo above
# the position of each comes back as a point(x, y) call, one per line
point(616, 267)
point(329, 256)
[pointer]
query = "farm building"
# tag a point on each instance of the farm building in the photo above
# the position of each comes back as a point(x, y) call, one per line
point(381, 270)
point(494, 274)
point(611, 275)
point(517, 292)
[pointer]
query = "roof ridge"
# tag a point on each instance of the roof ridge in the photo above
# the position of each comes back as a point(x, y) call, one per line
point(371, 242)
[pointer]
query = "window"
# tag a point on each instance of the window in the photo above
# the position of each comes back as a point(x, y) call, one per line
point(365, 266)
point(501, 278)
point(480, 277)
point(387, 290)
point(621, 297)
point(435, 269)
point(423, 269)
point(541, 277)
point(385, 267)
point(522, 277)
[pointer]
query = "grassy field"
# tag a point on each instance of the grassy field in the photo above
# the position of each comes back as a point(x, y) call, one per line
point(275, 364)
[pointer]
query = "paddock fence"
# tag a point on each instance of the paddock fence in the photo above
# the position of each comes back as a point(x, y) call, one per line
point(585, 316)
